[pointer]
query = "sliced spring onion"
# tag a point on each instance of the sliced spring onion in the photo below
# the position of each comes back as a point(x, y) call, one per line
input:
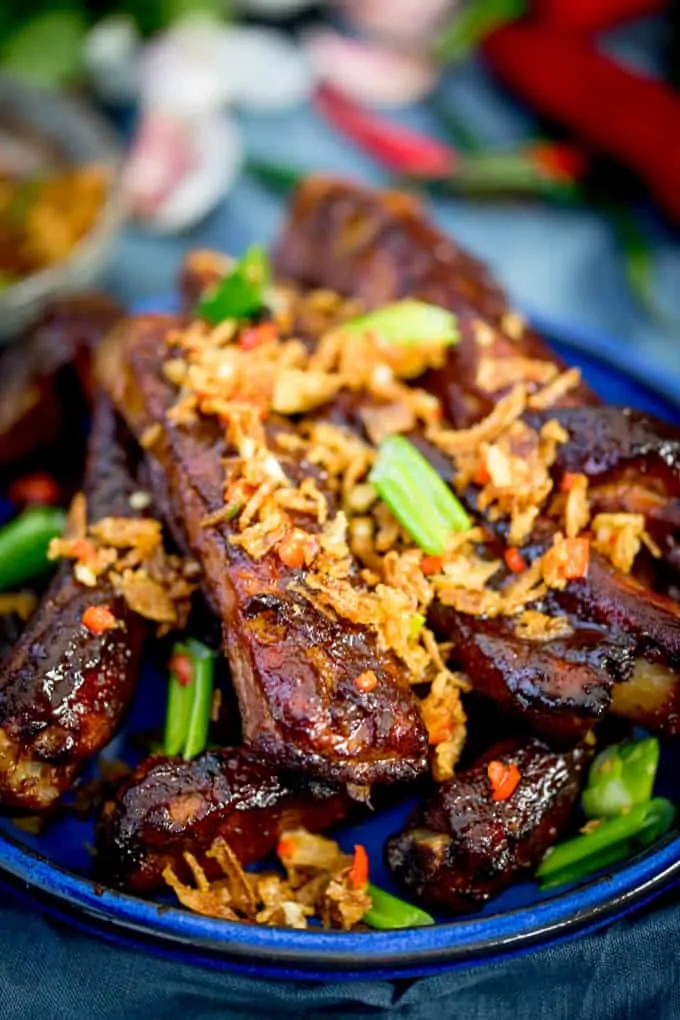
point(24, 542)
point(180, 697)
point(613, 840)
point(621, 776)
point(389, 911)
point(416, 625)
point(189, 703)
point(242, 293)
point(408, 323)
point(419, 499)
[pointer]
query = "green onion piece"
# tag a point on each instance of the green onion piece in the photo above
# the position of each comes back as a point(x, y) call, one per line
point(24, 542)
point(409, 323)
point(242, 293)
point(202, 682)
point(390, 912)
point(188, 710)
point(419, 499)
point(621, 776)
point(612, 841)
point(180, 697)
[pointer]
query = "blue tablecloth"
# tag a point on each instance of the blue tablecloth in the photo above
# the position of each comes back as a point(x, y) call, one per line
point(563, 263)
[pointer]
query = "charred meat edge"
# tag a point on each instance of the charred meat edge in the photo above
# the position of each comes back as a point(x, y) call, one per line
point(168, 807)
point(463, 847)
point(379, 247)
point(293, 665)
point(64, 690)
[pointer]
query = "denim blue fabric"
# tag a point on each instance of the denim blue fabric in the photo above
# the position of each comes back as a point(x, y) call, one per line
point(628, 972)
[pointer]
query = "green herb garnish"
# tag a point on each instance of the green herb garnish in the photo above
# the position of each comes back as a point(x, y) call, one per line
point(241, 294)
point(408, 323)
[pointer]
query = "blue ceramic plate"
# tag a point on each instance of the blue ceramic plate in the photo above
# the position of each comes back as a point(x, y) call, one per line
point(53, 869)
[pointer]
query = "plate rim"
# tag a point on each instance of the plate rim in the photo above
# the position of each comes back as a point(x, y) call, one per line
point(361, 954)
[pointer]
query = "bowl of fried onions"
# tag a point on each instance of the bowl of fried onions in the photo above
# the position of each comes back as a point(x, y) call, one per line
point(60, 206)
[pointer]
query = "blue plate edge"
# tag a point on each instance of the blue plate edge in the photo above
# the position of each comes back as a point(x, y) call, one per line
point(641, 880)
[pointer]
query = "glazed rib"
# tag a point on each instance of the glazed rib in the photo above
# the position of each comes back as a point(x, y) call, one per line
point(463, 847)
point(293, 665)
point(380, 248)
point(633, 463)
point(559, 689)
point(64, 690)
point(44, 378)
point(168, 807)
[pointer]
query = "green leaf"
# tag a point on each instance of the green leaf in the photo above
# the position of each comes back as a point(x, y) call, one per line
point(408, 323)
point(46, 50)
point(277, 177)
point(469, 25)
point(242, 293)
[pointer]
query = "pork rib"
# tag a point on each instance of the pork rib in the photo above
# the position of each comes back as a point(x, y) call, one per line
point(168, 807)
point(293, 665)
point(63, 689)
point(380, 247)
point(464, 847)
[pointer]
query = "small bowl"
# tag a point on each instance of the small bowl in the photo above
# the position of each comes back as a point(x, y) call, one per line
point(60, 132)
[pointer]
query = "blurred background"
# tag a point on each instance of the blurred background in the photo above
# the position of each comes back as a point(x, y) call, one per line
point(543, 134)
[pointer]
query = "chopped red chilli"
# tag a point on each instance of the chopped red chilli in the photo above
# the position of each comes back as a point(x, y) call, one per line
point(98, 619)
point(503, 778)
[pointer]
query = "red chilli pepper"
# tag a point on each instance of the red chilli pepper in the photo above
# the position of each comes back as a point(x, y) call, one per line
point(181, 666)
point(286, 848)
point(256, 336)
point(514, 560)
point(358, 872)
point(503, 778)
point(594, 15)
point(397, 148)
point(431, 565)
point(38, 488)
point(629, 116)
point(98, 619)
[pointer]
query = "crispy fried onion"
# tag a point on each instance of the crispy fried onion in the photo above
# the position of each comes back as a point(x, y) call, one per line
point(620, 537)
point(510, 461)
point(321, 882)
point(128, 552)
point(445, 721)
